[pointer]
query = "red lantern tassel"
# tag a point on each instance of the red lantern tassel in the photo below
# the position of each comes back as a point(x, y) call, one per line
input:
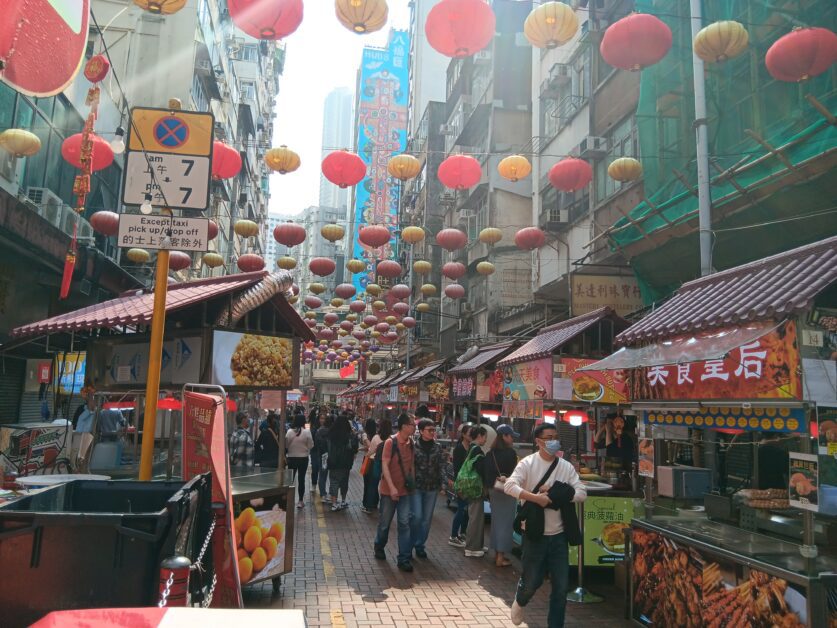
point(67, 278)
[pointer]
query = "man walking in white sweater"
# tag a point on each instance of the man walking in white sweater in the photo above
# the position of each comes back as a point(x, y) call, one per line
point(531, 480)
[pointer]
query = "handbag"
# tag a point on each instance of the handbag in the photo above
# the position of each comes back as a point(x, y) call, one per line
point(530, 517)
point(365, 466)
point(498, 485)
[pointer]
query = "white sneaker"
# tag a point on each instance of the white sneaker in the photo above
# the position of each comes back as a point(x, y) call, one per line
point(335, 507)
point(516, 613)
point(456, 542)
point(474, 553)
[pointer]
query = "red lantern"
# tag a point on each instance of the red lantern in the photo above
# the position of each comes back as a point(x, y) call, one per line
point(325, 334)
point(226, 161)
point(460, 172)
point(529, 238)
point(343, 168)
point(266, 19)
point(388, 268)
point(460, 28)
point(322, 266)
point(358, 334)
point(212, 230)
point(347, 326)
point(454, 291)
point(295, 289)
point(370, 320)
point(382, 327)
point(289, 234)
point(178, 260)
point(102, 153)
point(310, 322)
point(250, 263)
point(570, 174)
point(452, 239)
point(330, 318)
point(345, 291)
point(635, 42)
point(106, 223)
point(454, 270)
point(400, 291)
point(357, 306)
point(409, 322)
point(313, 302)
point(400, 308)
point(374, 236)
point(801, 54)
point(96, 68)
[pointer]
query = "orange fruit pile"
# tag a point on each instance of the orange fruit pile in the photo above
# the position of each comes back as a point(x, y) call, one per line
point(255, 545)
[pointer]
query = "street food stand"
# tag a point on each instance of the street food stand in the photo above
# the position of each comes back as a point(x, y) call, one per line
point(734, 380)
point(475, 384)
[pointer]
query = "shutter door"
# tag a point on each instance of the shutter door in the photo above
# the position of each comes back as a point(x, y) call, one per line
point(12, 374)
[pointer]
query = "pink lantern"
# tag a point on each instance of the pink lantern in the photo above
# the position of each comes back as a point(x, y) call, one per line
point(382, 327)
point(454, 291)
point(325, 334)
point(801, 54)
point(529, 238)
point(357, 306)
point(345, 291)
point(636, 41)
point(570, 174)
point(249, 263)
point(212, 230)
point(102, 155)
point(322, 266)
point(460, 28)
point(391, 336)
point(178, 260)
point(226, 161)
point(359, 334)
point(452, 239)
point(389, 268)
point(347, 325)
point(310, 322)
point(454, 270)
point(313, 302)
point(295, 289)
point(400, 308)
point(409, 322)
point(374, 236)
point(263, 19)
point(289, 234)
point(370, 320)
point(105, 222)
point(343, 168)
point(460, 172)
point(330, 318)
point(400, 291)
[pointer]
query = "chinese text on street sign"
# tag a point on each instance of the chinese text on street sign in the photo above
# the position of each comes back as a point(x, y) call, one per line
point(187, 234)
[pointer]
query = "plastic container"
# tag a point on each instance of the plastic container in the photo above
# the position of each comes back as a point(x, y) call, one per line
point(91, 543)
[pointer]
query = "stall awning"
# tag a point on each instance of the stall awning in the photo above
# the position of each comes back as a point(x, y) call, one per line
point(770, 289)
point(485, 357)
point(403, 377)
point(385, 382)
point(708, 346)
point(551, 338)
point(424, 371)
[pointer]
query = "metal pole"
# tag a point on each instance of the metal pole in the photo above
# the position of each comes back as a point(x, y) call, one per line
point(410, 302)
point(702, 137)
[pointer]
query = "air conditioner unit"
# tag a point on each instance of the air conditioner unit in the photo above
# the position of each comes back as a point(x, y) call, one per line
point(548, 90)
point(446, 129)
point(8, 166)
point(483, 57)
point(204, 67)
point(85, 230)
point(48, 203)
point(69, 220)
point(592, 146)
point(560, 74)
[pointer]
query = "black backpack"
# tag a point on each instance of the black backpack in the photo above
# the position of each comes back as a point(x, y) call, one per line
point(377, 465)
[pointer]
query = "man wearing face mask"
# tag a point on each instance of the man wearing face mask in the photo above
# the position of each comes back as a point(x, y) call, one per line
point(553, 484)
point(242, 449)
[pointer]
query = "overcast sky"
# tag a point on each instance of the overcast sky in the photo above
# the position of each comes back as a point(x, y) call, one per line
point(321, 55)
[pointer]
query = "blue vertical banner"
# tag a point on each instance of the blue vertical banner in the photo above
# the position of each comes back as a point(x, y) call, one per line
point(382, 133)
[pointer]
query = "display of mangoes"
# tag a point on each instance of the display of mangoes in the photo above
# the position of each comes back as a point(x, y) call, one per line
point(255, 545)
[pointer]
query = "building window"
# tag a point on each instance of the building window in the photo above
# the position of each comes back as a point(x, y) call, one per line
point(199, 98)
point(556, 113)
point(248, 90)
point(623, 141)
point(248, 53)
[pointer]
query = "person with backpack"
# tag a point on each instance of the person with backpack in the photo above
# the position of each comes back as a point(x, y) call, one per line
point(460, 519)
point(267, 444)
point(469, 485)
point(342, 447)
point(428, 465)
point(299, 443)
point(397, 482)
point(500, 462)
point(376, 452)
point(550, 487)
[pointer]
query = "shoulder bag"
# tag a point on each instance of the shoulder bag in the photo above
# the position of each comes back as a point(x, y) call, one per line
point(409, 480)
point(529, 520)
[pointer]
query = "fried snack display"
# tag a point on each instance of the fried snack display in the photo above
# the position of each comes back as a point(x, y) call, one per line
point(263, 361)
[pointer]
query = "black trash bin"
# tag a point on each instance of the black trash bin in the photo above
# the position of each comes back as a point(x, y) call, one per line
point(92, 543)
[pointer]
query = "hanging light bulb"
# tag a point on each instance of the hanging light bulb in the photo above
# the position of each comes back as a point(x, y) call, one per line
point(146, 207)
point(117, 144)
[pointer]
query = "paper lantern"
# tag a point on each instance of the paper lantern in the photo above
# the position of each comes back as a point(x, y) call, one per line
point(801, 54)
point(105, 222)
point(212, 260)
point(409, 322)
point(400, 308)
point(250, 263)
point(359, 334)
point(428, 290)
point(391, 320)
point(460, 172)
point(355, 266)
point(452, 239)
point(226, 161)
point(382, 328)
point(322, 266)
point(454, 291)
point(102, 153)
point(362, 16)
point(404, 167)
point(423, 307)
point(347, 326)
point(454, 270)
point(624, 169)
point(317, 288)
point(282, 160)
point(485, 268)
point(514, 167)
point(422, 267)
point(286, 263)
point(635, 42)
point(529, 238)
point(370, 320)
point(266, 19)
point(353, 317)
point(400, 291)
point(138, 256)
point(330, 318)
point(20, 142)
point(345, 291)
point(289, 233)
point(374, 236)
point(332, 232)
point(389, 268)
point(96, 68)
point(336, 302)
point(570, 174)
point(178, 260)
point(311, 314)
point(460, 28)
point(161, 7)
point(379, 305)
point(312, 302)
point(721, 41)
point(373, 289)
point(412, 235)
point(246, 228)
point(211, 230)
point(357, 306)
point(490, 236)
point(343, 168)
point(295, 289)
point(325, 334)
point(550, 25)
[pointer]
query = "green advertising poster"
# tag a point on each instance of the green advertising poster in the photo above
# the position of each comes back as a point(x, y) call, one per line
point(605, 519)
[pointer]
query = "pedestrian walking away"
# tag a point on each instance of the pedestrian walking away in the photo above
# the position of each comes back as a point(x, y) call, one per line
point(475, 535)
point(342, 447)
point(299, 443)
point(550, 486)
point(321, 441)
point(459, 525)
point(428, 466)
point(368, 446)
point(500, 462)
point(267, 445)
point(397, 482)
point(242, 448)
point(316, 451)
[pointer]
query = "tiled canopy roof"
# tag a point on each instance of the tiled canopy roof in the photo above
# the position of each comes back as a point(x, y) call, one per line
point(483, 358)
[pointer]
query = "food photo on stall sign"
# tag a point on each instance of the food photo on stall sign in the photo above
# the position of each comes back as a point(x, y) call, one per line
point(254, 361)
point(803, 474)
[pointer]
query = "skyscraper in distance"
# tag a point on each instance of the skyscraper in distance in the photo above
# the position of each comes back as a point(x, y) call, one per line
point(338, 129)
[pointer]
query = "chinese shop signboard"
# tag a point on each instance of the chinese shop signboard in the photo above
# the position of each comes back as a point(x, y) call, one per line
point(591, 292)
point(601, 386)
point(766, 368)
point(528, 380)
point(803, 471)
point(462, 387)
point(605, 521)
point(408, 392)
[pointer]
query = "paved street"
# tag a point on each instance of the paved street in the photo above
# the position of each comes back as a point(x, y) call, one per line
point(338, 582)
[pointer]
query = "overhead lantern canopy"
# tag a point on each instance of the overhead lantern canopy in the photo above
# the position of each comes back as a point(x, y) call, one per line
point(550, 25)
point(282, 160)
point(226, 161)
point(624, 169)
point(460, 172)
point(266, 19)
point(362, 16)
point(20, 142)
point(412, 235)
point(460, 28)
point(801, 54)
point(635, 42)
point(404, 167)
point(343, 168)
point(514, 167)
point(570, 174)
point(289, 234)
point(721, 41)
point(332, 232)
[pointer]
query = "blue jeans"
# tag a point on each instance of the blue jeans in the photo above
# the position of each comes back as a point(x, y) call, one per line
point(549, 553)
point(422, 504)
point(388, 507)
point(370, 491)
point(460, 518)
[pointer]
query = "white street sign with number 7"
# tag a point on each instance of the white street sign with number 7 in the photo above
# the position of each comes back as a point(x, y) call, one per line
point(182, 180)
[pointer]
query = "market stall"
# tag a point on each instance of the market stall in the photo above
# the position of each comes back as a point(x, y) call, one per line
point(474, 387)
point(734, 380)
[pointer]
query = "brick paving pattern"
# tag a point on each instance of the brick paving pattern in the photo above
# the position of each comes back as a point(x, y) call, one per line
point(337, 581)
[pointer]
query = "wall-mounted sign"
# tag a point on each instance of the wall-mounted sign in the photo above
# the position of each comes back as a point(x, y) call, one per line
point(462, 387)
point(591, 292)
point(590, 386)
point(528, 380)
